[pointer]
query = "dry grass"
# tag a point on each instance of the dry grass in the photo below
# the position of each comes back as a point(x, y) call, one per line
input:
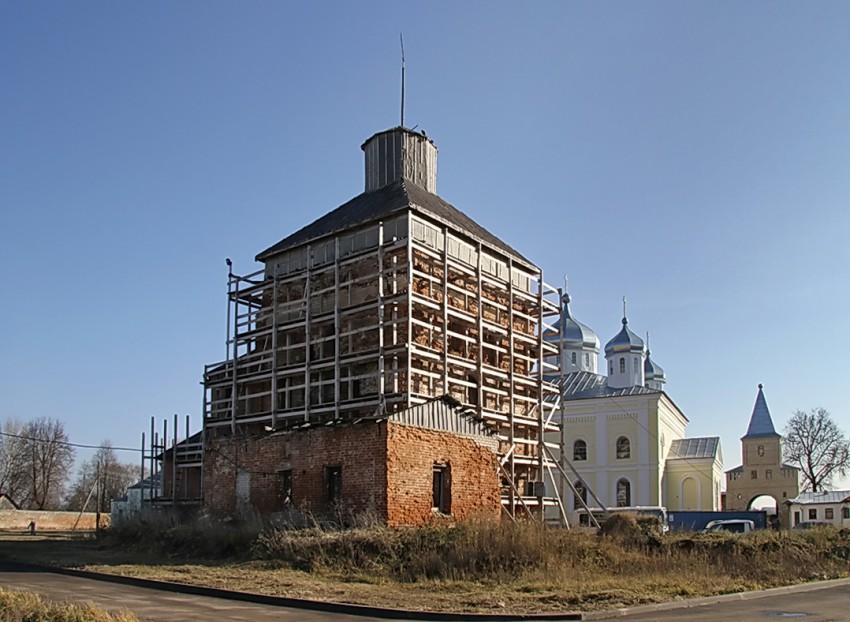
point(20, 606)
point(471, 567)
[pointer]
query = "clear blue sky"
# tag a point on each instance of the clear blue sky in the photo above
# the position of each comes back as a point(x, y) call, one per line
point(692, 156)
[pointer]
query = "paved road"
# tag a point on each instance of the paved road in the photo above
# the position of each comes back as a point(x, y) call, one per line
point(150, 604)
point(811, 603)
point(829, 604)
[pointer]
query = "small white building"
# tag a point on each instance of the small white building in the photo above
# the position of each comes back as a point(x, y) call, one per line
point(829, 507)
point(131, 503)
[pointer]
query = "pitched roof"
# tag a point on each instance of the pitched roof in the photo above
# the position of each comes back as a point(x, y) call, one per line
point(693, 448)
point(833, 496)
point(393, 197)
point(761, 425)
point(586, 384)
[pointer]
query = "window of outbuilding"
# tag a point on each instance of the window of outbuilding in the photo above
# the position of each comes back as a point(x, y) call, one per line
point(845, 512)
point(285, 479)
point(813, 513)
point(333, 480)
point(828, 513)
point(580, 450)
point(624, 448)
point(441, 489)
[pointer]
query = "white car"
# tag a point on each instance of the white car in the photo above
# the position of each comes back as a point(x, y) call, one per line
point(732, 525)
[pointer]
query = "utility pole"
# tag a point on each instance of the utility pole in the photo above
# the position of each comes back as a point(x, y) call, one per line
point(97, 510)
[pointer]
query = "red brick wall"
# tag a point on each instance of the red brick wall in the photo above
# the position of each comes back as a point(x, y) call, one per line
point(387, 471)
point(411, 456)
point(359, 449)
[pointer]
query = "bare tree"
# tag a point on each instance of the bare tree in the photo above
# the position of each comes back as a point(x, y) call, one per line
point(818, 446)
point(115, 478)
point(13, 454)
point(49, 459)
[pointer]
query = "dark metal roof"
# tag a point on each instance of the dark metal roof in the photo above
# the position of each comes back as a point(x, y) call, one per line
point(393, 197)
point(761, 425)
point(693, 448)
point(586, 384)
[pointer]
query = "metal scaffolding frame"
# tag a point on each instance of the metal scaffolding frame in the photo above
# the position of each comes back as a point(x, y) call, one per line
point(376, 319)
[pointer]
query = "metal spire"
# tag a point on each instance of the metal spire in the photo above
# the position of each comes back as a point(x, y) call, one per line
point(401, 39)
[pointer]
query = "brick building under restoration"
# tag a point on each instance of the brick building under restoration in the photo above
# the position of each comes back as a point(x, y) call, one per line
point(386, 359)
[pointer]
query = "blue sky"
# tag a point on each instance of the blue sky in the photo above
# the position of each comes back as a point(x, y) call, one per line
point(691, 156)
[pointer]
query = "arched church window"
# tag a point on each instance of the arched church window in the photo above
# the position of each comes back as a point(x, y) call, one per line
point(624, 448)
point(622, 365)
point(636, 364)
point(624, 493)
point(574, 358)
point(586, 359)
point(610, 369)
point(581, 493)
point(580, 450)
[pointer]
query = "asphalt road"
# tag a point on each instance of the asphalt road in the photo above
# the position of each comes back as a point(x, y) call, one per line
point(826, 602)
point(149, 604)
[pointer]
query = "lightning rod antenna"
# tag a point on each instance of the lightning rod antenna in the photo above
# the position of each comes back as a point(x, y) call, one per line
point(401, 39)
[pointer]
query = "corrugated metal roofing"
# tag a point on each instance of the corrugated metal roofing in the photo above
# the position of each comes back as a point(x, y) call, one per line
point(393, 197)
point(693, 448)
point(586, 384)
point(443, 415)
point(811, 498)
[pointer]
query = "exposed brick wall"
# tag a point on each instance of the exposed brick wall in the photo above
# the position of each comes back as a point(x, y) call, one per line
point(358, 449)
point(412, 454)
point(386, 471)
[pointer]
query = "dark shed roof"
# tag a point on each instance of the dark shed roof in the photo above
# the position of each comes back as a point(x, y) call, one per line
point(380, 203)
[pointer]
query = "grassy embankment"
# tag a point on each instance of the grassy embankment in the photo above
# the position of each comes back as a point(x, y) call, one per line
point(21, 606)
point(472, 567)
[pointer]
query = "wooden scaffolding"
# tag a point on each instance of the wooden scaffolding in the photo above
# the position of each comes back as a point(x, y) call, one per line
point(386, 316)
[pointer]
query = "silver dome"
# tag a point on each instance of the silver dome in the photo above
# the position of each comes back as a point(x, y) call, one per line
point(624, 341)
point(575, 334)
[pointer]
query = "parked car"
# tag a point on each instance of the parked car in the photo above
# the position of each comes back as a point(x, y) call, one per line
point(811, 525)
point(732, 525)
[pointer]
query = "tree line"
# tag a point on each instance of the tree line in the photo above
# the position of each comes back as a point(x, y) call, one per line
point(36, 469)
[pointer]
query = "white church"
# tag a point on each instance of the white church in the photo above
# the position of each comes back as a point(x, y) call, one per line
point(621, 432)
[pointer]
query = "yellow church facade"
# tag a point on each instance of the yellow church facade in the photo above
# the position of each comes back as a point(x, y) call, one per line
point(622, 438)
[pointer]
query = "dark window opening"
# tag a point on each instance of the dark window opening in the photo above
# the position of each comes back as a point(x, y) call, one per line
point(622, 365)
point(285, 488)
point(624, 448)
point(580, 495)
point(580, 450)
point(441, 489)
point(754, 474)
point(845, 512)
point(334, 482)
point(813, 514)
point(624, 493)
point(828, 514)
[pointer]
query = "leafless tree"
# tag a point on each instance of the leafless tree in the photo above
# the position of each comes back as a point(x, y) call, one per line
point(115, 478)
point(818, 446)
point(49, 459)
point(13, 461)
